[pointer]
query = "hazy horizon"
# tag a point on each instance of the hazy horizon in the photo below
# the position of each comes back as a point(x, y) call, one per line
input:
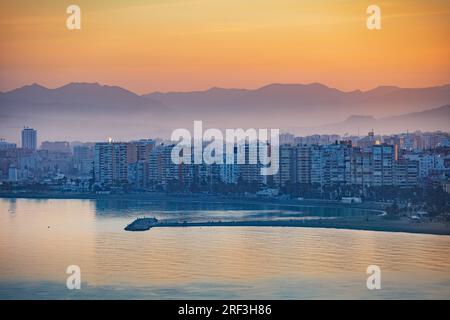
point(184, 45)
point(212, 86)
point(302, 109)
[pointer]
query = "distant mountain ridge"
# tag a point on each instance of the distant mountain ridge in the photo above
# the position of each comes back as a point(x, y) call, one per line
point(76, 97)
point(94, 111)
point(381, 101)
point(428, 120)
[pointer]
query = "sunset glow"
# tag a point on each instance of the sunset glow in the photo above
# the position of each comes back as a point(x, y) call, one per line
point(196, 44)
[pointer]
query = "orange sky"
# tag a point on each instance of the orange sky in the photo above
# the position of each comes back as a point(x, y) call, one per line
point(196, 44)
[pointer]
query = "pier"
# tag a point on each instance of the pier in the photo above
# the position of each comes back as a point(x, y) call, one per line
point(141, 224)
point(354, 223)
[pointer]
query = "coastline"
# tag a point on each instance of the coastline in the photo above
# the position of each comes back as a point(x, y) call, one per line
point(362, 222)
point(200, 198)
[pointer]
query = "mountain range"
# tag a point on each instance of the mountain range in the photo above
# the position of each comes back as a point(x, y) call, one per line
point(428, 120)
point(90, 111)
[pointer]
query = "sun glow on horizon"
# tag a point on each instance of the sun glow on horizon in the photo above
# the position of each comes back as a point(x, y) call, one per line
point(183, 45)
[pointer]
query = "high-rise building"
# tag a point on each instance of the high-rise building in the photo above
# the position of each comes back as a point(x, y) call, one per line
point(144, 149)
point(250, 170)
point(303, 164)
point(361, 167)
point(83, 158)
point(111, 160)
point(383, 157)
point(316, 165)
point(335, 161)
point(428, 163)
point(406, 173)
point(138, 174)
point(286, 172)
point(29, 138)
point(161, 168)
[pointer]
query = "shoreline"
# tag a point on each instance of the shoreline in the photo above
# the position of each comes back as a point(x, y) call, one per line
point(361, 222)
point(199, 198)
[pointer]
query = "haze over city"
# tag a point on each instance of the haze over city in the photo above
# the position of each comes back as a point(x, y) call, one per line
point(110, 111)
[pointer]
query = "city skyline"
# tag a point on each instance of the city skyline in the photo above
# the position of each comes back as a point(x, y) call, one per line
point(306, 165)
point(283, 135)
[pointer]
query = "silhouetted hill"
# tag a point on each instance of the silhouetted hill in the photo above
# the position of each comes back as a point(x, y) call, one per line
point(79, 111)
point(306, 104)
point(428, 120)
point(75, 98)
point(91, 111)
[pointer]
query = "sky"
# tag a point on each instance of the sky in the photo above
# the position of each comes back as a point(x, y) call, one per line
point(183, 45)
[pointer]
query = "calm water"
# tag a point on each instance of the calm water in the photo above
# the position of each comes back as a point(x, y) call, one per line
point(40, 238)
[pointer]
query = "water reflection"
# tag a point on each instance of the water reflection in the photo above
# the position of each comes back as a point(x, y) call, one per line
point(12, 206)
point(43, 237)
